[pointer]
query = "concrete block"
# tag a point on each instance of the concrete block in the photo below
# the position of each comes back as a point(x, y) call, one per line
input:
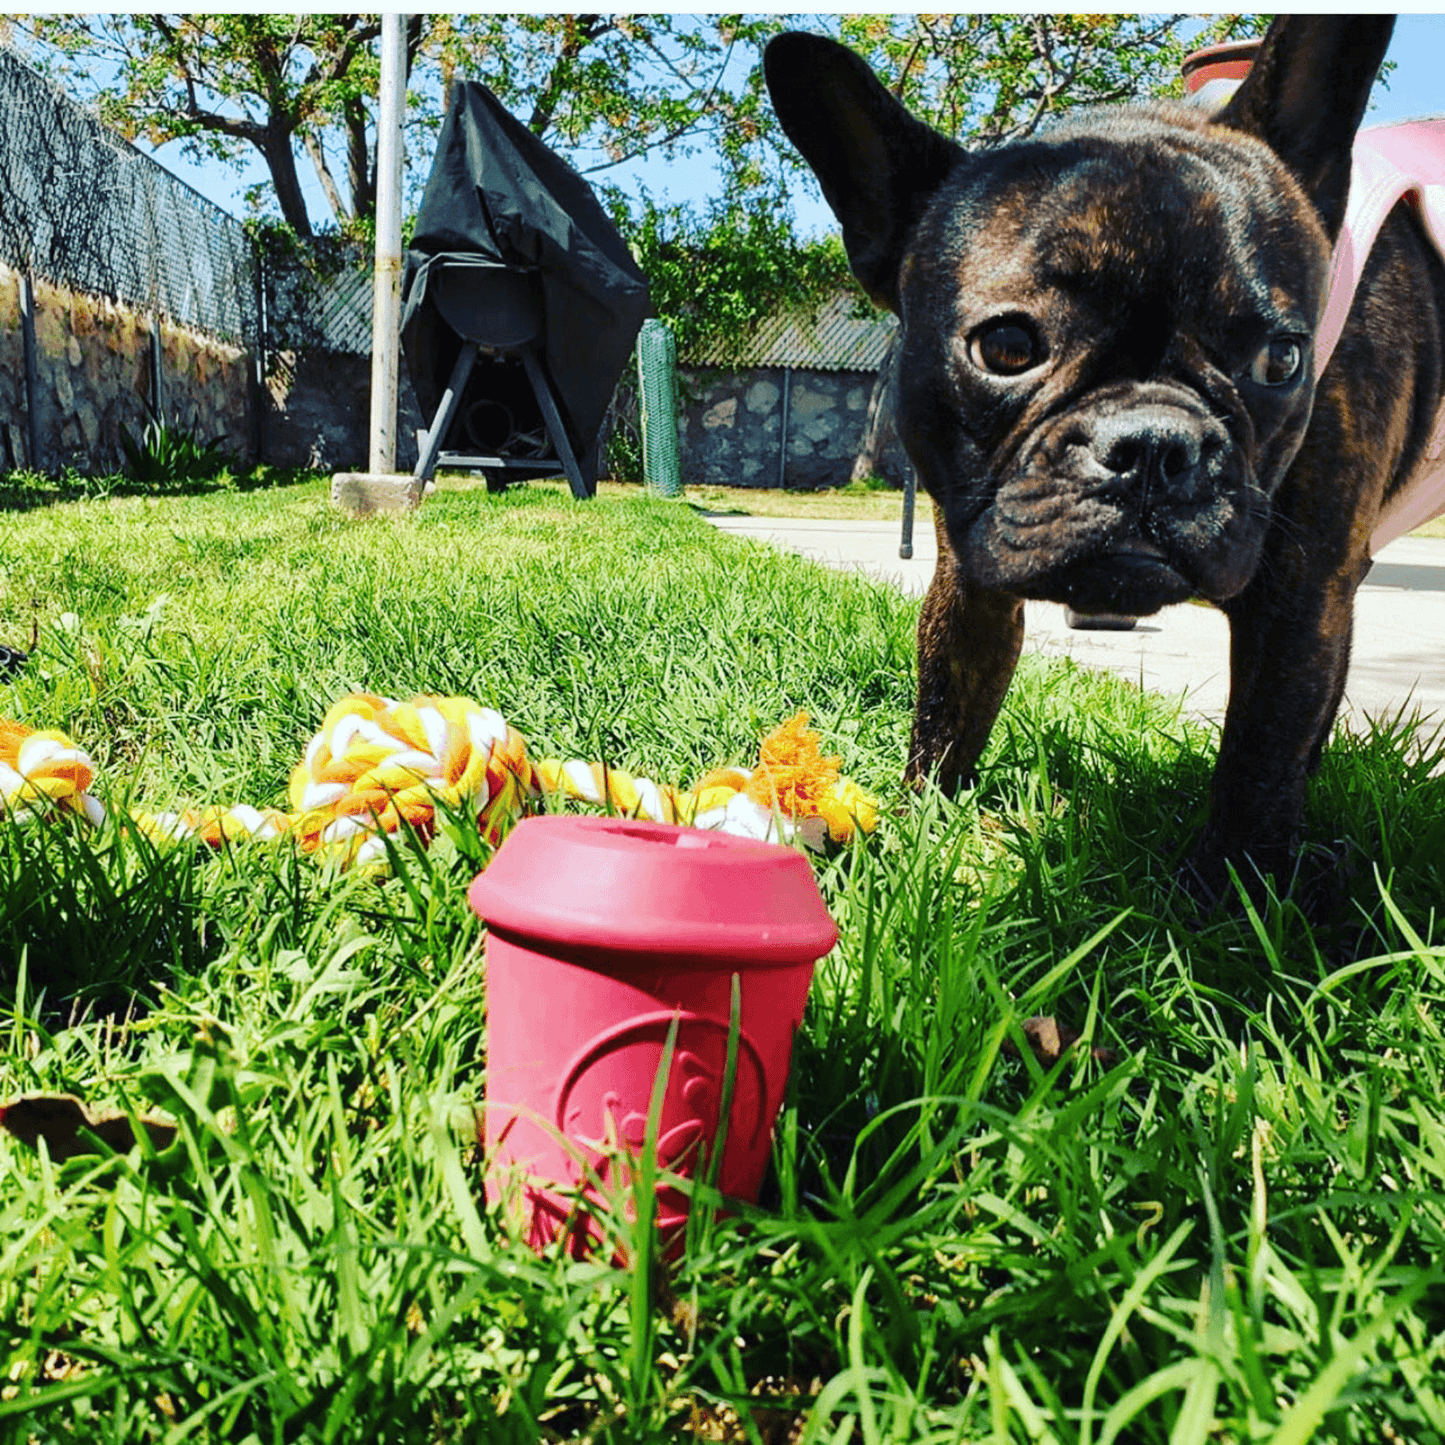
point(362, 493)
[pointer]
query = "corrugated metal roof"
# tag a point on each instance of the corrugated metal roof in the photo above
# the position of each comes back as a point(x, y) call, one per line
point(836, 338)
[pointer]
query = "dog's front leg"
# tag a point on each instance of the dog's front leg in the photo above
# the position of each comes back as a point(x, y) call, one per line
point(969, 639)
point(1289, 653)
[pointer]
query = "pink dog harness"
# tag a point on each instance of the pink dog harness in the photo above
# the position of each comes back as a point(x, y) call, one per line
point(1391, 163)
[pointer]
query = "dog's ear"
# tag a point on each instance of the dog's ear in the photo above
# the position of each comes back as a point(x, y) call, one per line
point(1305, 95)
point(877, 165)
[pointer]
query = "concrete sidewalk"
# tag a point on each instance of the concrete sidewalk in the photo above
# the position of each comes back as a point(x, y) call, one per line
point(1399, 644)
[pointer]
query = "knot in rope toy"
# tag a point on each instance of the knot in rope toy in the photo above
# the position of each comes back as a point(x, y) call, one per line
point(376, 763)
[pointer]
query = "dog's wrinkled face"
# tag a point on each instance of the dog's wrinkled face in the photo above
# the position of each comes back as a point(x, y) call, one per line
point(1107, 357)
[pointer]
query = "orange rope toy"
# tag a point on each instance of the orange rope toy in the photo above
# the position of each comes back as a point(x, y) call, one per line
point(377, 764)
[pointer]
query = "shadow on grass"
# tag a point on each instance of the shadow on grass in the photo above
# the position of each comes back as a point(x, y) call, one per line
point(95, 922)
point(32, 491)
point(1073, 847)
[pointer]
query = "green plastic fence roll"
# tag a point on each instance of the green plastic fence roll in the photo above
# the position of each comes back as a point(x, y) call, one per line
point(657, 381)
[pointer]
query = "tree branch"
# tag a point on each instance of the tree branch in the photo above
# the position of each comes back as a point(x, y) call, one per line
point(360, 161)
point(906, 67)
point(681, 129)
point(581, 31)
point(317, 156)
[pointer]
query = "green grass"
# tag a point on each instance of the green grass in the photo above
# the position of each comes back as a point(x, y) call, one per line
point(855, 502)
point(1228, 1227)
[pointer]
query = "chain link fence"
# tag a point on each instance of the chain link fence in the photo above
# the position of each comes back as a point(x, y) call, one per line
point(318, 298)
point(81, 208)
point(86, 213)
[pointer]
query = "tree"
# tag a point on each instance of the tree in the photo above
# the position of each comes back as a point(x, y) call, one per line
point(600, 89)
point(228, 84)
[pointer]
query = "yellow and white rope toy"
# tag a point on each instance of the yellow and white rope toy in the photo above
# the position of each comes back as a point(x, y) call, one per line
point(378, 764)
point(40, 765)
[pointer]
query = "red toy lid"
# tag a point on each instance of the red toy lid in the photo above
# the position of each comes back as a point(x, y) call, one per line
point(627, 886)
point(1229, 61)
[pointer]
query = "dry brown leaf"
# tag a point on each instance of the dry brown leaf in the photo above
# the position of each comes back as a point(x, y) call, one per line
point(59, 1119)
point(1050, 1040)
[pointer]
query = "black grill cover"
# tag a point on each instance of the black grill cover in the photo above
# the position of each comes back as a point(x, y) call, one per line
point(496, 191)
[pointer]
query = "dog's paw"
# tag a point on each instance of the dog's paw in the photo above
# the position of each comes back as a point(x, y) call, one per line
point(1221, 880)
point(1327, 878)
point(1203, 878)
point(1317, 880)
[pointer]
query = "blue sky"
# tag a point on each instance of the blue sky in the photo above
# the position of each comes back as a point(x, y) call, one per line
point(1417, 87)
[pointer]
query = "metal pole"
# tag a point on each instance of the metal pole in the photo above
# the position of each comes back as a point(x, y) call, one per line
point(910, 491)
point(153, 256)
point(258, 359)
point(783, 433)
point(157, 371)
point(386, 295)
point(32, 372)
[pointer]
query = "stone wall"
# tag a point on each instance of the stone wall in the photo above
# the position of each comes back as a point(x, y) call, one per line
point(731, 429)
point(93, 358)
point(94, 372)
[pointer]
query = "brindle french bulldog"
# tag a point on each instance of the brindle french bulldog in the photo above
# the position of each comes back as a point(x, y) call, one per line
point(1107, 383)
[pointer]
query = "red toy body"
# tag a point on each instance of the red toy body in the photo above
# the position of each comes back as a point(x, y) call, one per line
point(601, 931)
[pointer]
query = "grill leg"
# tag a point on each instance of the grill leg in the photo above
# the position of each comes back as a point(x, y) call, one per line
point(910, 487)
point(553, 418)
point(426, 462)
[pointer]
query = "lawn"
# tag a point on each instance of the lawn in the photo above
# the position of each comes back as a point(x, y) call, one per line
point(855, 502)
point(1220, 1218)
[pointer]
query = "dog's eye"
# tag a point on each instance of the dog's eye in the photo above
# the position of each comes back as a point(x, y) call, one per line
point(1278, 362)
point(1004, 348)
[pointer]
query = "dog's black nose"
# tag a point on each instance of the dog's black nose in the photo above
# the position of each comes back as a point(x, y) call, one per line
point(1148, 445)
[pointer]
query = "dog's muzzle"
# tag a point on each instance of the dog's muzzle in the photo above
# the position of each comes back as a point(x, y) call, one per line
point(1133, 502)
